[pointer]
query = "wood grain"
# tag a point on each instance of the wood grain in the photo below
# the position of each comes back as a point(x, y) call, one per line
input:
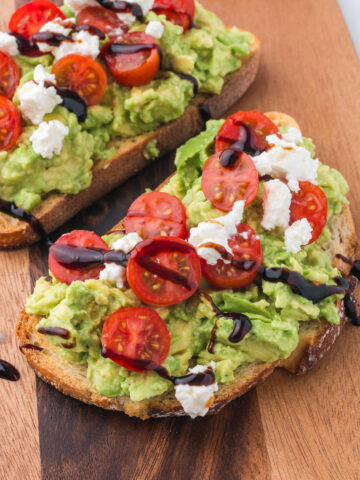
point(303, 428)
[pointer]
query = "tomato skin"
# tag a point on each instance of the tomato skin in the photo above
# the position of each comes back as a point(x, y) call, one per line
point(173, 254)
point(223, 186)
point(77, 238)
point(136, 338)
point(261, 125)
point(156, 214)
point(310, 202)
point(180, 12)
point(226, 276)
point(10, 124)
point(134, 69)
point(9, 76)
point(105, 20)
point(83, 75)
point(28, 19)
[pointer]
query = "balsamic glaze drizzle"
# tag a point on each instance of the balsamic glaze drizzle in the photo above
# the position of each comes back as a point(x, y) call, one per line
point(83, 258)
point(8, 371)
point(25, 46)
point(127, 48)
point(120, 6)
point(72, 101)
point(55, 331)
point(205, 112)
point(29, 346)
point(51, 38)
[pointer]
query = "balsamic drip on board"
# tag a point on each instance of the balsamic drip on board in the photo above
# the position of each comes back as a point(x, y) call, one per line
point(8, 371)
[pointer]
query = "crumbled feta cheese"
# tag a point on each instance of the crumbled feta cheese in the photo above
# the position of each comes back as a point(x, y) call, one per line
point(37, 100)
point(287, 160)
point(127, 243)
point(156, 29)
point(298, 234)
point(114, 273)
point(277, 200)
point(292, 135)
point(48, 138)
point(41, 75)
point(216, 231)
point(196, 400)
point(146, 5)
point(77, 5)
point(8, 44)
point(58, 25)
point(83, 44)
point(127, 18)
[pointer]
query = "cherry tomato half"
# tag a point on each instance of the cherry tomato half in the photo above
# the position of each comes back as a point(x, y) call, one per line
point(246, 246)
point(10, 124)
point(82, 75)
point(180, 12)
point(9, 76)
point(156, 214)
point(223, 186)
point(164, 271)
point(310, 202)
point(137, 68)
point(105, 20)
point(136, 338)
point(232, 131)
point(28, 19)
point(77, 238)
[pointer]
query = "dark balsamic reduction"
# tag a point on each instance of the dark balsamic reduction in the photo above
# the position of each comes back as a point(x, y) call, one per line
point(8, 371)
point(51, 38)
point(205, 112)
point(355, 270)
point(55, 331)
point(72, 101)
point(92, 30)
point(29, 346)
point(192, 379)
point(127, 48)
point(119, 6)
point(83, 258)
point(26, 47)
point(187, 77)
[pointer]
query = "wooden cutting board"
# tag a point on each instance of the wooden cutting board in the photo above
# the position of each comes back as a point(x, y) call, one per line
point(303, 428)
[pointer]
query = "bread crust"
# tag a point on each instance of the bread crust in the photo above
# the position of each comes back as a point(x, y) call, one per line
point(55, 209)
point(316, 338)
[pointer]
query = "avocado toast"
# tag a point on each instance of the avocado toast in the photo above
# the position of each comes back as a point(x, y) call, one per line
point(280, 328)
point(203, 70)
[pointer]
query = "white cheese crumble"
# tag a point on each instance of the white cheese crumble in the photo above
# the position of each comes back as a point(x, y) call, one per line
point(37, 100)
point(41, 75)
point(217, 231)
point(288, 161)
point(77, 5)
point(59, 25)
point(277, 200)
point(83, 44)
point(127, 18)
point(8, 44)
point(297, 235)
point(114, 273)
point(127, 243)
point(146, 5)
point(156, 29)
point(292, 135)
point(48, 138)
point(196, 400)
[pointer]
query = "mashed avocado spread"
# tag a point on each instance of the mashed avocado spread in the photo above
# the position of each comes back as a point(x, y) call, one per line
point(275, 312)
point(208, 52)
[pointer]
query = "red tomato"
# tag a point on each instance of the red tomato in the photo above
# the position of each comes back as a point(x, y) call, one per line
point(77, 238)
point(105, 20)
point(180, 12)
point(310, 202)
point(136, 338)
point(156, 214)
point(232, 131)
point(246, 246)
point(223, 186)
point(137, 68)
point(82, 75)
point(28, 19)
point(10, 124)
point(164, 271)
point(9, 76)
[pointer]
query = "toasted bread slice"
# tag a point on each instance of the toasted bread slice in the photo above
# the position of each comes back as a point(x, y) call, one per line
point(130, 157)
point(316, 337)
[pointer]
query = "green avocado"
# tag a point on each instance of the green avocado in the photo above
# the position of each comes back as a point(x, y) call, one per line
point(274, 310)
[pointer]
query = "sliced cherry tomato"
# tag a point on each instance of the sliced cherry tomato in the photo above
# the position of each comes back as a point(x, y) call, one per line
point(77, 238)
point(105, 20)
point(28, 19)
point(82, 75)
point(9, 76)
point(180, 12)
point(134, 69)
point(10, 124)
point(156, 214)
point(233, 131)
point(136, 338)
point(310, 202)
point(223, 186)
point(164, 271)
point(246, 247)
